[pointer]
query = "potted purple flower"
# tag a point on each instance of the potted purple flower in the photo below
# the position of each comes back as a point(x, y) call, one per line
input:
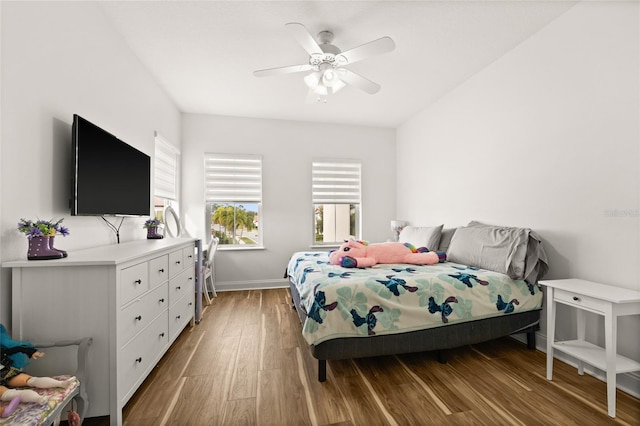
point(41, 234)
point(152, 225)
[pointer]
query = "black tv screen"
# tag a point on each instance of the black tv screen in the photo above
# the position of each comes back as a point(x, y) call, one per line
point(109, 177)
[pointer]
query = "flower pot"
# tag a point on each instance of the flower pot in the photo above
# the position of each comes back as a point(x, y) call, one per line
point(39, 249)
point(152, 234)
point(64, 253)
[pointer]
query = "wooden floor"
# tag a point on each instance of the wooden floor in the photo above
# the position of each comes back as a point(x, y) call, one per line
point(247, 364)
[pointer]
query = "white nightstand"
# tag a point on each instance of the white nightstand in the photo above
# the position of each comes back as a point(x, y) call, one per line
point(608, 301)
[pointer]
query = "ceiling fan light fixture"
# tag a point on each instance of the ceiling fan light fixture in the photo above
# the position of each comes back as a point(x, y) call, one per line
point(330, 77)
point(313, 79)
point(325, 81)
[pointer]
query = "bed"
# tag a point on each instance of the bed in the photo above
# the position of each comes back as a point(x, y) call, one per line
point(486, 289)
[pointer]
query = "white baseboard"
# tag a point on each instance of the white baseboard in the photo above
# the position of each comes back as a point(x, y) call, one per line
point(626, 382)
point(251, 285)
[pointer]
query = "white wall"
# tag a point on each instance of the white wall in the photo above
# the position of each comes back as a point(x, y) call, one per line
point(287, 148)
point(61, 58)
point(547, 137)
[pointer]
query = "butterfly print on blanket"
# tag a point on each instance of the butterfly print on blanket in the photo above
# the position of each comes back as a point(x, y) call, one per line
point(445, 308)
point(369, 319)
point(466, 279)
point(392, 284)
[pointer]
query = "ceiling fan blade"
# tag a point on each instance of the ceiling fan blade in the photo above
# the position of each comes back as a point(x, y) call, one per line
point(282, 70)
point(375, 47)
point(302, 36)
point(358, 81)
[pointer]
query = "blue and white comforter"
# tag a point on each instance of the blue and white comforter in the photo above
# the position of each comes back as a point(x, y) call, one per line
point(397, 298)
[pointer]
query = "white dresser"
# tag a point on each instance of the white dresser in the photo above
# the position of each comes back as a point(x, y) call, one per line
point(133, 298)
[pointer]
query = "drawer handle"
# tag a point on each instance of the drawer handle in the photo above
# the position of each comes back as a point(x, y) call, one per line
point(177, 262)
point(576, 298)
point(161, 270)
point(161, 334)
point(161, 300)
point(138, 281)
point(190, 278)
point(139, 359)
point(190, 256)
point(190, 304)
point(178, 288)
point(177, 316)
point(139, 317)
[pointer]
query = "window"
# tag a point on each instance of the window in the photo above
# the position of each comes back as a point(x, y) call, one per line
point(165, 176)
point(336, 200)
point(233, 194)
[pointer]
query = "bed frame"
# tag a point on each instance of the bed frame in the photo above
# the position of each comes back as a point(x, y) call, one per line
point(433, 339)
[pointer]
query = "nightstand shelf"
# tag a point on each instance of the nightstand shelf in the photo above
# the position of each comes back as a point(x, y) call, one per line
point(595, 355)
point(608, 301)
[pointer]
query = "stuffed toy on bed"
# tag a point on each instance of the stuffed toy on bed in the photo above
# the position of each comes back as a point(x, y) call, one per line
point(359, 254)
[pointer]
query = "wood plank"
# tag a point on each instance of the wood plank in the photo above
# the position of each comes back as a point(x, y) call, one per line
point(358, 399)
point(398, 393)
point(438, 377)
point(274, 403)
point(244, 383)
point(240, 412)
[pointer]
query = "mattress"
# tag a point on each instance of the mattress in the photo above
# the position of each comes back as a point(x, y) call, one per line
point(400, 298)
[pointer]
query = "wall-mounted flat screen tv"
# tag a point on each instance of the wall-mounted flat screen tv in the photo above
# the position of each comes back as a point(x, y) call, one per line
point(110, 177)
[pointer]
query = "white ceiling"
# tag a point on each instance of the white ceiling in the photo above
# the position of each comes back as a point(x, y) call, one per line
point(203, 53)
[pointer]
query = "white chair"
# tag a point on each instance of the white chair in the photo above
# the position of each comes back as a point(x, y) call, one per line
point(209, 271)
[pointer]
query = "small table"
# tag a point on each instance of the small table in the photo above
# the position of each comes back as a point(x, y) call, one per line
point(608, 301)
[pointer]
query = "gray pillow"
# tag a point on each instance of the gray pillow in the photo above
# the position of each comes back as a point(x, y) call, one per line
point(445, 238)
point(421, 236)
point(496, 248)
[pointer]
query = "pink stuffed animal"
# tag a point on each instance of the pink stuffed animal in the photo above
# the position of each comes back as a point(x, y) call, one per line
point(356, 254)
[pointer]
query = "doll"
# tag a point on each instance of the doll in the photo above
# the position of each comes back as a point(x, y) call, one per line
point(11, 408)
point(14, 356)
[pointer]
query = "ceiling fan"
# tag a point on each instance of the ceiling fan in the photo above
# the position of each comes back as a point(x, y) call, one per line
point(326, 67)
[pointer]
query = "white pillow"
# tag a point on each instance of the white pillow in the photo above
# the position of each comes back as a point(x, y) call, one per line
point(422, 236)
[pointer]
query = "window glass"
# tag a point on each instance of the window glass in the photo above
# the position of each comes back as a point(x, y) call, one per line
point(235, 223)
point(336, 222)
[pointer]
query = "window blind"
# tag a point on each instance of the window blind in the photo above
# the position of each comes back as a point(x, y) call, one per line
point(165, 169)
point(336, 181)
point(233, 178)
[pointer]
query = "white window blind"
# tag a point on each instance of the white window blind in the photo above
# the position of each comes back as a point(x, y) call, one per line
point(233, 178)
point(336, 181)
point(165, 170)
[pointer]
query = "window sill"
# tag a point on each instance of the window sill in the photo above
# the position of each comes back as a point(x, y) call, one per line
point(325, 246)
point(239, 248)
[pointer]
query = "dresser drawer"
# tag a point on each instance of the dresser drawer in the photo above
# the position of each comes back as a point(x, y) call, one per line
point(136, 316)
point(180, 314)
point(580, 301)
point(140, 354)
point(158, 270)
point(189, 256)
point(176, 263)
point(180, 286)
point(134, 281)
